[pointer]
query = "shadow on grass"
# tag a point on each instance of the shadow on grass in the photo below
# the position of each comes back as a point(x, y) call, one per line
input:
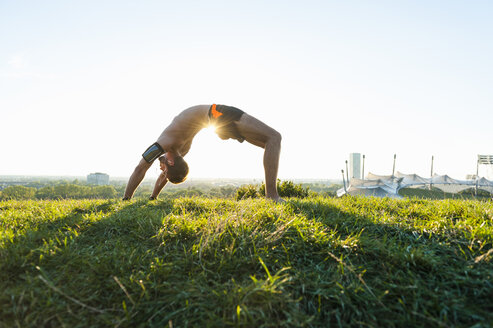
point(435, 274)
point(76, 254)
point(195, 262)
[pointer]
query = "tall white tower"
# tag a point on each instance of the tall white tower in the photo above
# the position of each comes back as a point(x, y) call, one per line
point(355, 166)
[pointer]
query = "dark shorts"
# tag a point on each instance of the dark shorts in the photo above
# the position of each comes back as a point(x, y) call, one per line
point(224, 118)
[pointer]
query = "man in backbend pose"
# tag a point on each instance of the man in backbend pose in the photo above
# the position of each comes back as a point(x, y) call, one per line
point(176, 139)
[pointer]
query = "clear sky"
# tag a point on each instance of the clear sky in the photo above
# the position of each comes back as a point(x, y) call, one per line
point(88, 85)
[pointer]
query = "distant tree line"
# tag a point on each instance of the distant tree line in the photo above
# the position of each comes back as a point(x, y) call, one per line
point(62, 191)
point(77, 190)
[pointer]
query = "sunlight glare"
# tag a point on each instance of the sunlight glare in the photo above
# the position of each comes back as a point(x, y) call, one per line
point(209, 131)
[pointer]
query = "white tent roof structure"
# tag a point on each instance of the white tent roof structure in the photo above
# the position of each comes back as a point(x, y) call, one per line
point(412, 180)
point(389, 186)
point(378, 187)
point(448, 184)
point(485, 184)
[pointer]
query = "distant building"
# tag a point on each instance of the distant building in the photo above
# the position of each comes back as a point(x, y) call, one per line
point(98, 179)
point(355, 166)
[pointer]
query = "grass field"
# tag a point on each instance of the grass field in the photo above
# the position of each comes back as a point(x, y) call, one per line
point(194, 262)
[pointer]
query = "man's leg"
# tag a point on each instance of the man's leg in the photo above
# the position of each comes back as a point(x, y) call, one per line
point(136, 178)
point(262, 135)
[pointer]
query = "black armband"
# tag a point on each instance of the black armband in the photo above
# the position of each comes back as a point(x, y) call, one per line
point(153, 152)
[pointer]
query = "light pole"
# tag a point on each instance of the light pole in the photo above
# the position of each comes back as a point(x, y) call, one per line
point(477, 177)
point(343, 181)
point(431, 173)
point(393, 168)
point(363, 170)
point(347, 173)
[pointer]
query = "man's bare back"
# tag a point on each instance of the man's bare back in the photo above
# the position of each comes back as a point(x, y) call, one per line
point(177, 138)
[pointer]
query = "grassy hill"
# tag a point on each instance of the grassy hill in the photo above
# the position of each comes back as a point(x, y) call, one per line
point(196, 262)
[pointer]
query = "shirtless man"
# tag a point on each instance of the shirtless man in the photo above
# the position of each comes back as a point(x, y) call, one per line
point(176, 139)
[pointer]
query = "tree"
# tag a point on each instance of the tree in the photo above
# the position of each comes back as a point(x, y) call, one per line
point(106, 192)
point(18, 192)
point(45, 193)
point(284, 188)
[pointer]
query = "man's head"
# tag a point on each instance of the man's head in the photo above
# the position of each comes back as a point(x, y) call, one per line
point(176, 169)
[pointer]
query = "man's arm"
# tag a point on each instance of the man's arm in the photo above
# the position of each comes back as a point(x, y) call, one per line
point(136, 178)
point(160, 183)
